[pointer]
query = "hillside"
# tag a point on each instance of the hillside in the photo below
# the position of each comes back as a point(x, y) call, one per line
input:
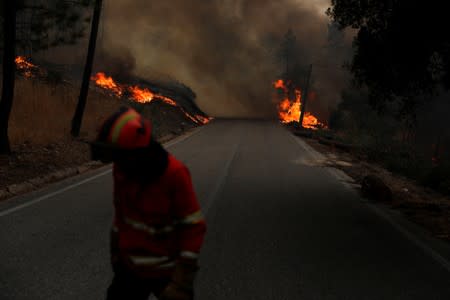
point(41, 116)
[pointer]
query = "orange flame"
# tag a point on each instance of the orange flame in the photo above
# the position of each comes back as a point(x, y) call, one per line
point(107, 83)
point(202, 119)
point(167, 100)
point(279, 84)
point(289, 111)
point(141, 95)
point(25, 66)
point(22, 63)
point(309, 121)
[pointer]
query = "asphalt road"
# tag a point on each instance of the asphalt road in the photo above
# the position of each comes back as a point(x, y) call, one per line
point(279, 227)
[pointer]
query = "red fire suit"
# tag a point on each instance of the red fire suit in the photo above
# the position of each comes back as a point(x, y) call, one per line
point(158, 223)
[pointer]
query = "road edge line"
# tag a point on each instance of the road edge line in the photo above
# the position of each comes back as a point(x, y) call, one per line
point(444, 262)
point(57, 192)
point(221, 181)
point(410, 236)
point(13, 209)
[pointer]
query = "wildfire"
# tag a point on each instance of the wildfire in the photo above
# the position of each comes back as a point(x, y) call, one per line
point(107, 83)
point(136, 93)
point(166, 100)
point(202, 119)
point(25, 66)
point(279, 84)
point(289, 110)
point(22, 63)
point(141, 95)
point(309, 121)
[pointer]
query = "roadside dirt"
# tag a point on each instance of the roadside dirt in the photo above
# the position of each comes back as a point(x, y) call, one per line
point(40, 164)
point(421, 205)
point(29, 161)
point(39, 129)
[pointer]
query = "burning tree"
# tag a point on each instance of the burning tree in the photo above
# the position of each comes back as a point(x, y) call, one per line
point(289, 109)
point(293, 75)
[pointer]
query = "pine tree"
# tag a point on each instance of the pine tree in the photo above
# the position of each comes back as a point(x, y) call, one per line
point(40, 24)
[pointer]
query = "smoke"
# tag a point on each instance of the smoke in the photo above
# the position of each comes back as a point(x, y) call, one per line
point(225, 50)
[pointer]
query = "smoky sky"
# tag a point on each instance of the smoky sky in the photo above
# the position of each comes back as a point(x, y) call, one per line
point(225, 50)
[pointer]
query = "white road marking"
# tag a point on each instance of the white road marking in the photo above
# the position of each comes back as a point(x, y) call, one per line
point(346, 181)
point(37, 200)
point(410, 236)
point(72, 186)
point(221, 180)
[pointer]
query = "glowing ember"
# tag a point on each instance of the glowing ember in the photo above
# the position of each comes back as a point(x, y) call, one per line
point(166, 100)
point(202, 119)
point(289, 110)
point(25, 66)
point(141, 95)
point(193, 119)
point(22, 63)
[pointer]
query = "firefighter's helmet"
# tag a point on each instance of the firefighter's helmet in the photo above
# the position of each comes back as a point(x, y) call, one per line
point(125, 130)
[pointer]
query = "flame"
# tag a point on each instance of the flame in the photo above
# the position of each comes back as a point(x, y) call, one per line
point(279, 84)
point(289, 111)
point(310, 121)
point(25, 66)
point(107, 83)
point(202, 119)
point(141, 95)
point(166, 100)
point(22, 63)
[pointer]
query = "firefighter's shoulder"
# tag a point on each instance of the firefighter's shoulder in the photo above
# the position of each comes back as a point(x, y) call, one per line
point(176, 168)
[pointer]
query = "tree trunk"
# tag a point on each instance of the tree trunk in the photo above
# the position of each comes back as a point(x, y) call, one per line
point(305, 96)
point(78, 116)
point(9, 68)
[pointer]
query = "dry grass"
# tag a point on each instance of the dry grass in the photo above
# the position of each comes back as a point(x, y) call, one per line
point(39, 128)
point(42, 113)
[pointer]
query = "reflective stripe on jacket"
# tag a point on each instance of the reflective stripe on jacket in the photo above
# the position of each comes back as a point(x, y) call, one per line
point(159, 222)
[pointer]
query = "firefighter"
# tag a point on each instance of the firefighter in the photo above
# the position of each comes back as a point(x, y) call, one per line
point(158, 228)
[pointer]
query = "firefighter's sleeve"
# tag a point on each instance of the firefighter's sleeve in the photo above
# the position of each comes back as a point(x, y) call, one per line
point(190, 221)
